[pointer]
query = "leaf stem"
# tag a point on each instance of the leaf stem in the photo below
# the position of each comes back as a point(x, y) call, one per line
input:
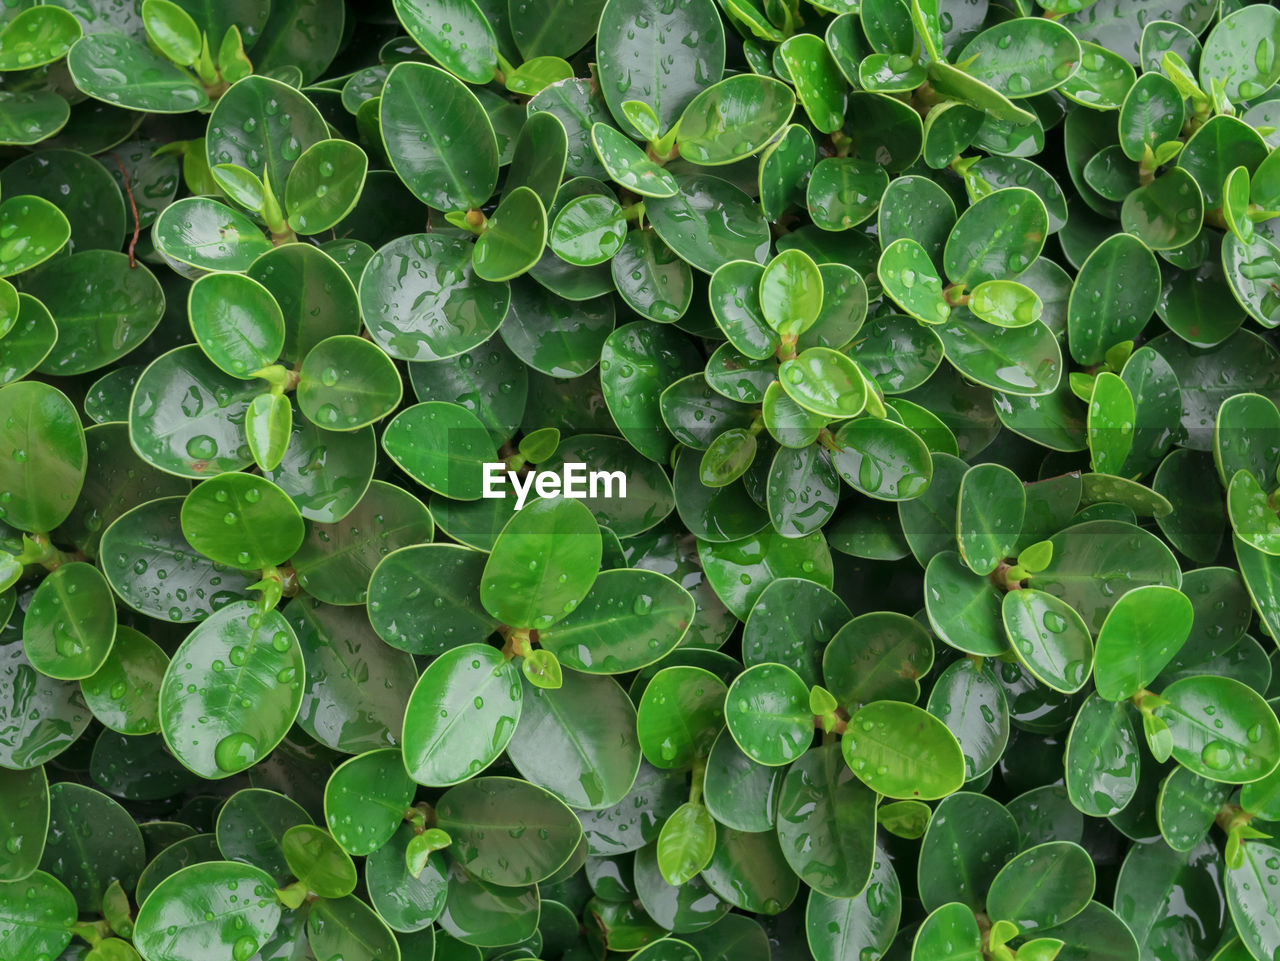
point(133, 206)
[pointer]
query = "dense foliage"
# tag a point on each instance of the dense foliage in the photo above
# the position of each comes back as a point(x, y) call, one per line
point(932, 339)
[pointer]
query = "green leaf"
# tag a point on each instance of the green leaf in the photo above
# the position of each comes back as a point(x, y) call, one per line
point(977, 835)
point(1102, 80)
point(679, 716)
point(990, 510)
point(432, 317)
point(1005, 303)
point(406, 903)
point(324, 185)
point(247, 669)
point(784, 166)
point(819, 85)
point(537, 74)
point(38, 915)
point(1048, 638)
point(902, 751)
point(560, 29)
point(1022, 57)
point(236, 322)
point(686, 843)
point(250, 826)
point(542, 565)
point(242, 521)
point(71, 623)
point(26, 820)
point(826, 825)
point(969, 90)
point(316, 859)
point(1102, 760)
point(206, 235)
point(1166, 213)
point(437, 135)
point(973, 705)
point(825, 382)
point(737, 791)
point(299, 38)
point(92, 841)
point(189, 896)
point(637, 363)
point(1217, 148)
point(1110, 423)
point(486, 915)
point(973, 253)
point(1246, 747)
point(356, 688)
point(45, 469)
point(468, 48)
point(949, 932)
point(365, 800)
point(47, 717)
point(578, 741)
point(1096, 562)
point(740, 570)
point(882, 459)
point(790, 291)
point(964, 608)
point(710, 222)
point(1141, 634)
point(627, 28)
point(172, 31)
point(750, 872)
point(1188, 805)
point(1043, 886)
point(103, 307)
point(1241, 422)
point(440, 445)
point(628, 619)
point(268, 424)
point(28, 118)
point(514, 237)
point(335, 562)
point(347, 383)
point(628, 165)
point(36, 230)
point(481, 816)
point(37, 36)
point(269, 148)
point(153, 569)
point(728, 457)
point(588, 230)
point(910, 278)
point(1252, 899)
point(346, 927)
point(473, 684)
point(118, 70)
point(1124, 267)
point(733, 119)
point(447, 572)
point(1234, 54)
point(767, 712)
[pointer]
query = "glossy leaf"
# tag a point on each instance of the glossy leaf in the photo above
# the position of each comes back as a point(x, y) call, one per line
point(246, 668)
point(1049, 638)
point(901, 751)
point(45, 469)
point(1144, 629)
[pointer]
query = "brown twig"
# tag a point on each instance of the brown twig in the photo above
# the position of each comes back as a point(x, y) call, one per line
point(133, 206)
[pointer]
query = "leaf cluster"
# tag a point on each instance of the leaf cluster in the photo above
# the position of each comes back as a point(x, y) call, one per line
point(935, 341)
